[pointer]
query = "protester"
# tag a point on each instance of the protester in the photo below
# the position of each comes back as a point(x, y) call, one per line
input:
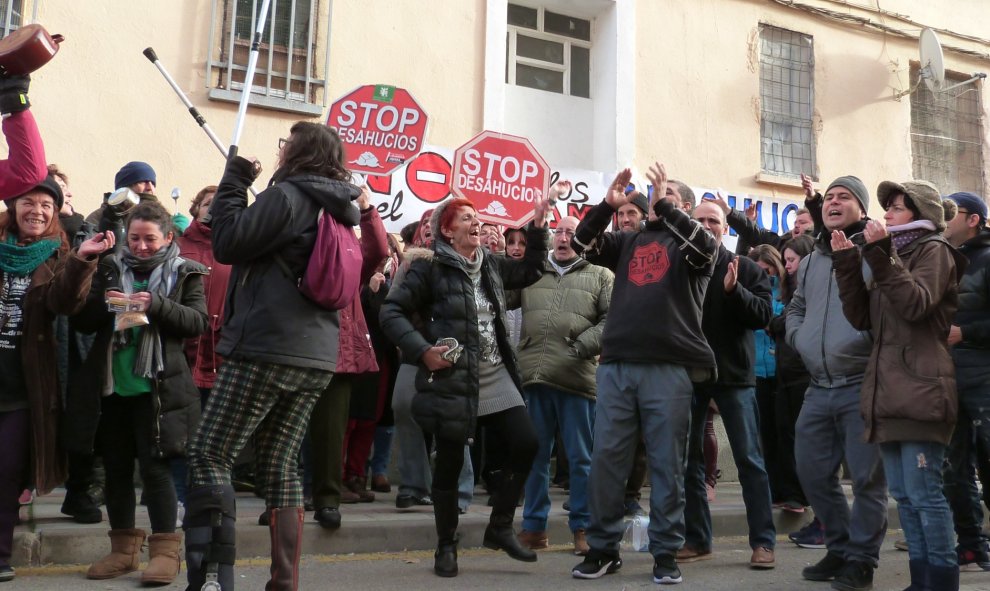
point(459, 295)
point(279, 348)
point(836, 355)
point(969, 339)
point(140, 178)
point(71, 220)
point(141, 388)
point(750, 234)
point(41, 278)
point(25, 165)
point(515, 247)
point(201, 351)
point(908, 400)
point(737, 302)
point(769, 259)
point(653, 349)
point(792, 382)
point(412, 454)
point(342, 424)
point(492, 238)
point(563, 317)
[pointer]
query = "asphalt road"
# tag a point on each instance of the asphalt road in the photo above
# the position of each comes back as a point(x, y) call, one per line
point(488, 570)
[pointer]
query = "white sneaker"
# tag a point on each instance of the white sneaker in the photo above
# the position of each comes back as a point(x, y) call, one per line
point(179, 515)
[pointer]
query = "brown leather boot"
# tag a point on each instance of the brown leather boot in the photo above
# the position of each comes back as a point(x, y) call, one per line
point(359, 486)
point(286, 532)
point(164, 563)
point(125, 551)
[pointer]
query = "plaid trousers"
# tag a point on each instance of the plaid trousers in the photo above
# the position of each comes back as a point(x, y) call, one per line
point(271, 401)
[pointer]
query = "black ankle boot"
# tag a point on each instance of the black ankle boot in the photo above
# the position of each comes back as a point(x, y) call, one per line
point(446, 517)
point(499, 534)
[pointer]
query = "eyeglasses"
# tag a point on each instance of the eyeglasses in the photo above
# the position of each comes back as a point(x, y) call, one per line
point(281, 142)
point(563, 232)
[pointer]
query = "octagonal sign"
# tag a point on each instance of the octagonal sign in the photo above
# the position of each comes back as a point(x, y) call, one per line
point(503, 175)
point(382, 127)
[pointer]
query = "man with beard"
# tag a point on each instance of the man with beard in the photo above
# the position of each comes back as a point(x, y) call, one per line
point(830, 424)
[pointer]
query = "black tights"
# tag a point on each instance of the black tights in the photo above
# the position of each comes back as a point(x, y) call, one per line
point(515, 430)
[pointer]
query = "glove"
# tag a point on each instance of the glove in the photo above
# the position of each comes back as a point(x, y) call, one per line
point(13, 94)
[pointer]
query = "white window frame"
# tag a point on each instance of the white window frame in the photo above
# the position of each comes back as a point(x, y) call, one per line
point(8, 13)
point(538, 33)
point(219, 66)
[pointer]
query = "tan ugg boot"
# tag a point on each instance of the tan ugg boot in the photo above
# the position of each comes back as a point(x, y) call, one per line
point(164, 563)
point(125, 550)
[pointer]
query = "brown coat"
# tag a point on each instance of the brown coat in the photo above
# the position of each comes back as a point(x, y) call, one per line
point(59, 286)
point(909, 390)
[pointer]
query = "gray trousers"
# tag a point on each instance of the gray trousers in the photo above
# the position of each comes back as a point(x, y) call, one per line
point(829, 427)
point(410, 448)
point(656, 397)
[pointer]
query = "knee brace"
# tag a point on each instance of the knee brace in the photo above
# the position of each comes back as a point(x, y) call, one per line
point(211, 551)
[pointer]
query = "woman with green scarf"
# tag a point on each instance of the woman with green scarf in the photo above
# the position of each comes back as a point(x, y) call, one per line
point(141, 386)
point(39, 279)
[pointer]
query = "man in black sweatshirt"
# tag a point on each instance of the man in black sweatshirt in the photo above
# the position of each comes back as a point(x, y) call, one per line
point(737, 302)
point(653, 349)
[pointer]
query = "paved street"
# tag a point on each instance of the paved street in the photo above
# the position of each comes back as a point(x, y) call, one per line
point(483, 569)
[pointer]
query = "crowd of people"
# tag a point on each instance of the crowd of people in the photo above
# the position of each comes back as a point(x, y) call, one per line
point(592, 358)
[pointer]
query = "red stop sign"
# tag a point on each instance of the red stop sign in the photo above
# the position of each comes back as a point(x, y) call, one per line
point(381, 126)
point(503, 175)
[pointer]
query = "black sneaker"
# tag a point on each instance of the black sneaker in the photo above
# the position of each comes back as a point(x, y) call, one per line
point(6, 573)
point(856, 576)
point(665, 571)
point(826, 569)
point(810, 536)
point(596, 565)
point(973, 560)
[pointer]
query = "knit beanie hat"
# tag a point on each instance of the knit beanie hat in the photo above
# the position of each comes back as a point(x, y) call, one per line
point(134, 172)
point(925, 198)
point(972, 203)
point(856, 187)
point(640, 201)
point(50, 186)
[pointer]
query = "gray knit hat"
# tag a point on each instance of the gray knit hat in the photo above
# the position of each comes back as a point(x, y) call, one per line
point(924, 196)
point(856, 187)
point(640, 201)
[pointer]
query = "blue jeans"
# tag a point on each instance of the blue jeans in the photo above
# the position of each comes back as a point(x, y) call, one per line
point(738, 409)
point(382, 451)
point(574, 415)
point(972, 435)
point(914, 475)
point(410, 447)
point(657, 398)
point(829, 428)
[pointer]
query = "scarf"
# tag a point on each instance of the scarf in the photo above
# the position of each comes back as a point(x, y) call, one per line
point(163, 267)
point(21, 261)
point(564, 266)
point(472, 267)
point(905, 234)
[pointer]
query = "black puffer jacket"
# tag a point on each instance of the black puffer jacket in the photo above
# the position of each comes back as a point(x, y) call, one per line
point(180, 316)
point(441, 292)
point(266, 317)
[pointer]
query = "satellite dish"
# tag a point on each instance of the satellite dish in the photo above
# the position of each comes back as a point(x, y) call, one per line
point(932, 62)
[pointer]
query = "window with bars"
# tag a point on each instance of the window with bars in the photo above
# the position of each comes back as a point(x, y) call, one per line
point(291, 70)
point(10, 16)
point(548, 51)
point(947, 136)
point(787, 102)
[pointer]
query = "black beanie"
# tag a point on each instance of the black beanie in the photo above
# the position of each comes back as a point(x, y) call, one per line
point(50, 186)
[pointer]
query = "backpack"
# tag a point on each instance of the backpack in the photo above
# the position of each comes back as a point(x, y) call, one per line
point(333, 274)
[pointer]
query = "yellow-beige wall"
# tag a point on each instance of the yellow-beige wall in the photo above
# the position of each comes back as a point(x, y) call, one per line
point(100, 103)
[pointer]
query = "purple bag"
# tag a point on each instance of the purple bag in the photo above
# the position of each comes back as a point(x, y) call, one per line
point(333, 274)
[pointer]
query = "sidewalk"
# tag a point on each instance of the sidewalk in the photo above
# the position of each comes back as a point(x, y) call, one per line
point(48, 537)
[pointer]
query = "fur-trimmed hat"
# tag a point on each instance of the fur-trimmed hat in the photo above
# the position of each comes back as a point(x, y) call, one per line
point(924, 196)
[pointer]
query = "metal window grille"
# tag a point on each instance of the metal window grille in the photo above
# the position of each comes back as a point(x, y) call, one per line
point(292, 69)
point(787, 95)
point(10, 16)
point(548, 51)
point(947, 136)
